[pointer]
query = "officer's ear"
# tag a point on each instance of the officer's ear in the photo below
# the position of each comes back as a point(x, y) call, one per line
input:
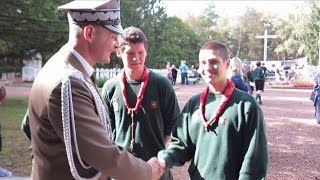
point(88, 32)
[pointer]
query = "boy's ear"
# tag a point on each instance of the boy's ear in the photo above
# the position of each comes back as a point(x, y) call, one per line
point(228, 62)
point(119, 52)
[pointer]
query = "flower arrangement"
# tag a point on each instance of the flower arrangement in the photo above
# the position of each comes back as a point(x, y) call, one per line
point(292, 84)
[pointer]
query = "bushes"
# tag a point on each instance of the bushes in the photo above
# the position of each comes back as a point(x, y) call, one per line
point(303, 84)
point(7, 68)
point(100, 82)
point(292, 84)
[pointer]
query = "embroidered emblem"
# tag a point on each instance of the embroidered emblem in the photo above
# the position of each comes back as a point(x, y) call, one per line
point(115, 104)
point(154, 104)
point(222, 120)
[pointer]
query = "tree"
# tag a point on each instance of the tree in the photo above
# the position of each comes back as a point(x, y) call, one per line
point(312, 34)
point(239, 34)
point(250, 25)
point(205, 23)
point(150, 17)
point(31, 26)
point(178, 42)
point(289, 43)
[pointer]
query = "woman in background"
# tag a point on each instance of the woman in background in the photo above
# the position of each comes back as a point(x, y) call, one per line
point(235, 74)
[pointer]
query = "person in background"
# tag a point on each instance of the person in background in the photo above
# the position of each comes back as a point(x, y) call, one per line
point(235, 74)
point(196, 67)
point(174, 72)
point(184, 72)
point(3, 172)
point(278, 75)
point(142, 104)
point(258, 78)
point(69, 123)
point(249, 79)
point(265, 74)
point(315, 94)
point(220, 130)
point(195, 74)
point(169, 72)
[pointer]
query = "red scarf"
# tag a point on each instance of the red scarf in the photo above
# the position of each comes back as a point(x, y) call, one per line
point(144, 82)
point(135, 109)
point(226, 97)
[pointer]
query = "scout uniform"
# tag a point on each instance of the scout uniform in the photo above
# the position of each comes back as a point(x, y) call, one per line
point(232, 145)
point(154, 120)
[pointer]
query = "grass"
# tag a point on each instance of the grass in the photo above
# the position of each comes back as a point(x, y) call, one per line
point(15, 155)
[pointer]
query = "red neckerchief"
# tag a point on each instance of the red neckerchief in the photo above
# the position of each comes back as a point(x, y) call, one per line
point(144, 82)
point(135, 109)
point(226, 97)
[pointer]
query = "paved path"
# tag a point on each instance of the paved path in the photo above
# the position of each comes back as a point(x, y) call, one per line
point(17, 91)
point(292, 132)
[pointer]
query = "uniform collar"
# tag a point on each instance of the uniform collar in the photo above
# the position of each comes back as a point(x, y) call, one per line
point(88, 68)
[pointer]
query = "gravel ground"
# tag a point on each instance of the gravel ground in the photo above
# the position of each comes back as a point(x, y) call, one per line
point(292, 133)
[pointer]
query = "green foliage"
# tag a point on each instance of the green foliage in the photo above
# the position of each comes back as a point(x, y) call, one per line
point(7, 68)
point(100, 82)
point(239, 36)
point(178, 42)
point(203, 25)
point(251, 25)
point(312, 35)
point(31, 25)
point(150, 17)
point(289, 44)
point(37, 26)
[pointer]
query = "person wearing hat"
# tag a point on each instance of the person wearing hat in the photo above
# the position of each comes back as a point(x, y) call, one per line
point(70, 128)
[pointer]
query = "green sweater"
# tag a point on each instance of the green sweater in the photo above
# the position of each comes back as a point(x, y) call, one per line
point(258, 74)
point(235, 147)
point(156, 118)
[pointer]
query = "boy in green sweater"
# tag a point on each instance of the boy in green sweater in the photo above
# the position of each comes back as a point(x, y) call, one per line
point(258, 78)
point(143, 106)
point(221, 130)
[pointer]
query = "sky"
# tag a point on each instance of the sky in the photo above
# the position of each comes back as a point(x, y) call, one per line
point(229, 8)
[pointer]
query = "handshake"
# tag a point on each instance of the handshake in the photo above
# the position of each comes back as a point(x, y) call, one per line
point(158, 167)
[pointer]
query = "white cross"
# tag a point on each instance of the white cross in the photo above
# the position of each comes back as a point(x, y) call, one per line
point(265, 37)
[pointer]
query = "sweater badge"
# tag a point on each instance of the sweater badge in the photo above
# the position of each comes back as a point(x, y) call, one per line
point(222, 120)
point(115, 104)
point(154, 104)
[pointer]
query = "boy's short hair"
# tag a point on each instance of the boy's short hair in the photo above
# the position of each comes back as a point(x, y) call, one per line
point(258, 64)
point(217, 47)
point(132, 35)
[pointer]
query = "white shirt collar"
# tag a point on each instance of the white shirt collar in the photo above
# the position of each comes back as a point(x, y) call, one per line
point(89, 69)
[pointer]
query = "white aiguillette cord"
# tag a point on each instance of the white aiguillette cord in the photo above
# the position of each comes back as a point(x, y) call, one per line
point(68, 120)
